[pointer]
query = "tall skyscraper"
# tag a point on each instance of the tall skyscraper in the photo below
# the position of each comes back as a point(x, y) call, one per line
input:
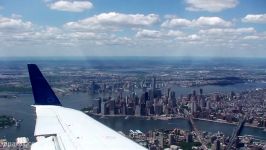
point(193, 107)
point(168, 92)
point(202, 103)
point(194, 93)
point(98, 102)
point(171, 139)
point(103, 108)
point(172, 95)
point(172, 101)
point(154, 84)
point(112, 107)
point(137, 110)
point(161, 140)
point(189, 137)
point(216, 145)
point(143, 109)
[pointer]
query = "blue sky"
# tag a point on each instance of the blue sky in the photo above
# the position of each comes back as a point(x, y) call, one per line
point(215, 28)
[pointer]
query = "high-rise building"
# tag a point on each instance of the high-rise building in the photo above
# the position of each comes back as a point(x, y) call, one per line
point(151, 94)
point(194, 107)
point(201, 91)
point(112, 107)
point(93, 88)
point(194, 93)
point(172, 99)
point(147, 96)
point(172, 95)
point(151, 110)
point(142, 99)
point(171, 139)
point(157, 93)
point(103, 108)
point(149, 107)
point(158, 109)
point(216, 145)
point(127, 100)
point(154, 83)
point(124, 109)
point(189, 137)
point(130, 111)
point(161, 141)
point(137, 110)
point(168, 92)
point(202, 103)
point(98, 104)
point(165, 109)
point(143, 109)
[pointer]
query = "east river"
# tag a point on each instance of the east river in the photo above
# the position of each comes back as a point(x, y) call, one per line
point(21, 108)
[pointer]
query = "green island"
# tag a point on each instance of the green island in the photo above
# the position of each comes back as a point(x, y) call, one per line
point(6, 121)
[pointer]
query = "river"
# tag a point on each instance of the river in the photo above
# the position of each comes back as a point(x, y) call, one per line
point(21, 108)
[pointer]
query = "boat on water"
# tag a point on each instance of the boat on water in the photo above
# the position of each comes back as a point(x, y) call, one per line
point(17, 124)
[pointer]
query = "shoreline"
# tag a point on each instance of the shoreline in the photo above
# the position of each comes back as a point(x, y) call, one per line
point(224, 122)
point(170, 118)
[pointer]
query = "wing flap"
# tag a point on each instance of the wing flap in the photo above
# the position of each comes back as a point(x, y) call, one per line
point(47, 122)
point(44, 144)
point(79, 131)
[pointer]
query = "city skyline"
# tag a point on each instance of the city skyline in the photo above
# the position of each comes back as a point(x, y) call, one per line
point(229, 28)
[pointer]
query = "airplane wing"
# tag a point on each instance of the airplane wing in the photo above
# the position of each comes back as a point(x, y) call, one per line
point(60, 128)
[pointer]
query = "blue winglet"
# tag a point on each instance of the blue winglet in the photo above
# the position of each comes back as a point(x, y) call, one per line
point(42, 92)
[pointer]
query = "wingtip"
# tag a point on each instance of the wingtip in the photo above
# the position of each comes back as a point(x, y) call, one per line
point(42, 92)
point(32, 65)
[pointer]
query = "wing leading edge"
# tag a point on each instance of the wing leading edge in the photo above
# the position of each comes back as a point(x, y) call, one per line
point(60, 128)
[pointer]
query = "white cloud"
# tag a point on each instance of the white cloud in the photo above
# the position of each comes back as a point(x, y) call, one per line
point(174, 22)
point(255, 37)
point(159, 34)
point(193, 37)
point(210, 5)
point(251, 37)
point(148, 33)
point(14, 24)
point(200, 22)
point(71, 6)
point(112, 19)
point(212, 21)
point(175, 33)
point(219, 31)
point(124, 41)
point(227, 37)
point(16, 33)
point(255, 18)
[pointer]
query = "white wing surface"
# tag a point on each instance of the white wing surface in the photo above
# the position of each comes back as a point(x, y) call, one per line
point(60, 128)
